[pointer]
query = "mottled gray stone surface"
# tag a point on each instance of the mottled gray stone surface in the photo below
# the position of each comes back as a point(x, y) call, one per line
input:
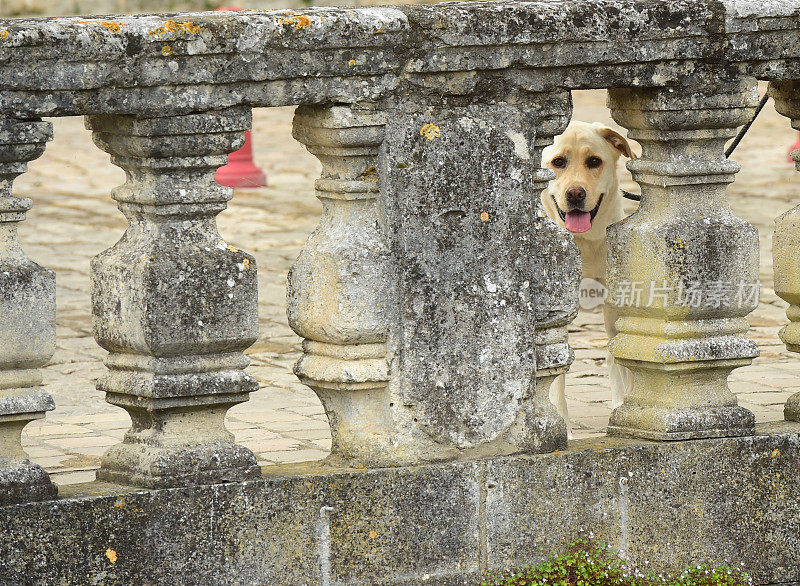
point(169, 95)
point(459, 212)
point(691, 260)
point(173, 303)
point(421, 292)
point(27, 319)
point(338, 290)
point(349, 55)
point(556, 257)
point(671, 504)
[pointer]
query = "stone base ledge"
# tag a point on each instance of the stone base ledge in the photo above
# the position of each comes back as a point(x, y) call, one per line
point(732, 500)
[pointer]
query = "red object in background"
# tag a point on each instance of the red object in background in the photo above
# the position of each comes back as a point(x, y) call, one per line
point(795, 146)
point(241, 170)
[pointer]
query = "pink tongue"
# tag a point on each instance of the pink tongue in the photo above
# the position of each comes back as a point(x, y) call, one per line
point(578, 221)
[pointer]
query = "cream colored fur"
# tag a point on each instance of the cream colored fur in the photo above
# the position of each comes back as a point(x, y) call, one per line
point(573, 149)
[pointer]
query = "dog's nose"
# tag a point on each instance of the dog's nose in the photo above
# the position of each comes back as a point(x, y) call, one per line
point(575, 195)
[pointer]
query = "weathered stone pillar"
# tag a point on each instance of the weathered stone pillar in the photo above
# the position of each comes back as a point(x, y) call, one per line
point(27, 320)
point(417, 293)
point(459, 189)
point(338, 293)
point(683, 270)
point(557, 257)
point(786, 241)
point(173, 303)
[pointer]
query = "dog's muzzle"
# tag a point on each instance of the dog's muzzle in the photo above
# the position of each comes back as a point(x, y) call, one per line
point(576, 222)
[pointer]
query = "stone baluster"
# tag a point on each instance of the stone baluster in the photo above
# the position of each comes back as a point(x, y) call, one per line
point(173, 303)
point(683, 269)
point(786, 241)
point(557, 255)
point(338, 290)
point(27, 320)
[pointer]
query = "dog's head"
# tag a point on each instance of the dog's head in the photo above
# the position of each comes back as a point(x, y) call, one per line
point(584, 159)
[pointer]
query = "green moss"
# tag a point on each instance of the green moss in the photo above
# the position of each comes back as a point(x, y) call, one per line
point(589, 563)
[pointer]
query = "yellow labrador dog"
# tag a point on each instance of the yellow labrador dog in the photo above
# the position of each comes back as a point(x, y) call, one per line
point(585, 198)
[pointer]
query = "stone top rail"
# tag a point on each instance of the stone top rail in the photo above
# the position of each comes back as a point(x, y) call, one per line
point(177, 63)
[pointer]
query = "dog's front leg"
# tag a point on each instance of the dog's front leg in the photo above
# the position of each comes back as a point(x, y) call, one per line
point(558, 397)
point(620, 378)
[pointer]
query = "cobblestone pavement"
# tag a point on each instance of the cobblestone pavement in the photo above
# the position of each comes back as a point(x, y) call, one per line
point(74, 219)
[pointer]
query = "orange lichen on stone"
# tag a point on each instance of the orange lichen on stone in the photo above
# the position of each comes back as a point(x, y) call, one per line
point(430, 131)
point(179, 28)
point(3, 34)
point(111, 555)
point(484, 216)
point(373, 534)
point(112, 26)
point(297, 20)
point(775, 453)
point(166, 50)
point(352, 63)
point(302, 21)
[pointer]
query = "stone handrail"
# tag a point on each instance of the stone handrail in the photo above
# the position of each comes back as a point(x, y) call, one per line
point(433, 298)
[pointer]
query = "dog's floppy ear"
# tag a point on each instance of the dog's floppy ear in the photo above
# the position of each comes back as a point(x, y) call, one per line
point(618, 141)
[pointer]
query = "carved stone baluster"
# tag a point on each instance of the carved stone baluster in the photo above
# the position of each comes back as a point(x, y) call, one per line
point(27, 320)
point(683, 268)
point(173, 303)
point(338, 290)
point(786, 242)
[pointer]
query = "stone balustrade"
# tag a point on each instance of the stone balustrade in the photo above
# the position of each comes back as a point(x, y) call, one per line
point(434, 296)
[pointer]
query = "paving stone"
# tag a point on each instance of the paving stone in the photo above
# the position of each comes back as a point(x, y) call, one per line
point(309, 434)
point(765, 398)
point(279, 444)
point(303, 455)
point(72, 477)
point(51, 462)
point(55, 430)
point(78, 443)
point(255, 434)
point(295, 424)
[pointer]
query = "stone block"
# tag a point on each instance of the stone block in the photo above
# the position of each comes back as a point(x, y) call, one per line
point(726, 500)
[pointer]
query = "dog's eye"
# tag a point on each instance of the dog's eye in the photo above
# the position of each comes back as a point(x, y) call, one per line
point(594, 162)
point(559, 162)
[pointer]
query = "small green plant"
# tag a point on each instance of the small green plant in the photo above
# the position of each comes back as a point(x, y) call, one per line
point(587, 562)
